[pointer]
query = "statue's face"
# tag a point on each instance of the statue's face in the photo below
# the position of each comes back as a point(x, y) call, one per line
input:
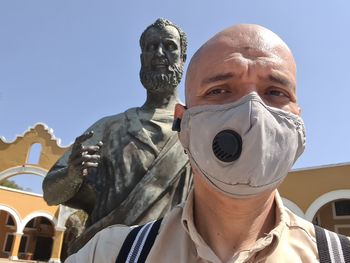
point(161, 62)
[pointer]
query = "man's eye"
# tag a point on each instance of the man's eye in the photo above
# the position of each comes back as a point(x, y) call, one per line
point(216, 92)
point(277, 93)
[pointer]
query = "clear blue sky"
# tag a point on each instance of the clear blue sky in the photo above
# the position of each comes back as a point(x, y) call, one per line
point(68, 63)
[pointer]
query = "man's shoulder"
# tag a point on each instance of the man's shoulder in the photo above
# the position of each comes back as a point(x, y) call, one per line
point(103, 247)
point(304, 227)
point(296, 223)
point(115, 233)
point(106, 244)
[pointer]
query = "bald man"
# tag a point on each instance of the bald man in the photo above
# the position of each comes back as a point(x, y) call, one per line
point(242, 132)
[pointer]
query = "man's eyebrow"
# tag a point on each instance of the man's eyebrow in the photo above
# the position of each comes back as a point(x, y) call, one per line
point(281, 80)
point(219, 77)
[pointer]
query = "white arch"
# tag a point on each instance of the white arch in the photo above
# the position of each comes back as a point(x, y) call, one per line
point(22, 170)
point(37, 214)
point(293, 207)
point(324, 199)
point(14, 213)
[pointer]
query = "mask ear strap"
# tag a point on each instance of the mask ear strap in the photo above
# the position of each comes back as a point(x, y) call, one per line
point(176, 125)
point(177, 120)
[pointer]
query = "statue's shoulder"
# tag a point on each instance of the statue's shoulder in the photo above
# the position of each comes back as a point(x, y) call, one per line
point(119, 119)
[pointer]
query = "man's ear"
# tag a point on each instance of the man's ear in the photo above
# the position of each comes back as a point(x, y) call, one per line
point(178, 113)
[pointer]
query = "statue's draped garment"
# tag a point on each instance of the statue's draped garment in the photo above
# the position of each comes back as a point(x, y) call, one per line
point(142, 174)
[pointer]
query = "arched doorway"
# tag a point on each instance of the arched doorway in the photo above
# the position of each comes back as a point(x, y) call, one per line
point(8, 228)
point(38, 239)
point(334, 216)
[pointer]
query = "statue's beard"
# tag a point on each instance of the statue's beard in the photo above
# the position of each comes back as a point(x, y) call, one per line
point(156, 81)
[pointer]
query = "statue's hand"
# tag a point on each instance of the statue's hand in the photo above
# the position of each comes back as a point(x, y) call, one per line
point(83, 158)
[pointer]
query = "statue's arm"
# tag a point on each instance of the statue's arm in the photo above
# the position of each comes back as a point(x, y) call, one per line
point(71, 189)
point(66, 181)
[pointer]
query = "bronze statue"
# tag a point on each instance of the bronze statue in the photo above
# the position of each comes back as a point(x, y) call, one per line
point(142, 169)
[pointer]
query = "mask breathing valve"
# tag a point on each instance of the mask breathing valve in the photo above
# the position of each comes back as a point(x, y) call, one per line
point(227, 146)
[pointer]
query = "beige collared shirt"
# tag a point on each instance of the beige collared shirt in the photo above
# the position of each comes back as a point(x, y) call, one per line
point(291, 241)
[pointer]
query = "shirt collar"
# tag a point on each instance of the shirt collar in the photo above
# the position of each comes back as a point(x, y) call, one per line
point(262, 248)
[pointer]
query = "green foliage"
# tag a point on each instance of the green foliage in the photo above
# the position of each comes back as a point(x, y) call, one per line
point(10, 184)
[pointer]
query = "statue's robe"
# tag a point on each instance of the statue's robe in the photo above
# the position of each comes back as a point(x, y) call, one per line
point(143, 173)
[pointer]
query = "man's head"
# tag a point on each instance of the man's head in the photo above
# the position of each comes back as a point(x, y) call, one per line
point(240, 60)
point(163, 47)
point(234, 141)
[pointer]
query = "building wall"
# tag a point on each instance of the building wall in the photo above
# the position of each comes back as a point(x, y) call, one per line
point(25, 203)
point(24, 206)
point(28, 207)
point(14, 154)
point(304, 186)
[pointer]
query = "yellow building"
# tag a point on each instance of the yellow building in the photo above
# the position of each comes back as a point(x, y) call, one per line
point(321, 195)
point(29, 229)
point(27, 224)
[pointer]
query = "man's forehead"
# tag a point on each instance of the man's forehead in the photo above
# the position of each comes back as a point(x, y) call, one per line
point(229, 47)
point(225, 45)
point(224, 52)
point(251, 41)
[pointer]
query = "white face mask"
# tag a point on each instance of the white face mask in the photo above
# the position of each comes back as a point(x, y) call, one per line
point(259, 146)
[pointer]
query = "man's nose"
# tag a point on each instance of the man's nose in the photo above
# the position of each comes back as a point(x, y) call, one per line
point(243, 90)
point(249, 88)
point(246, 89)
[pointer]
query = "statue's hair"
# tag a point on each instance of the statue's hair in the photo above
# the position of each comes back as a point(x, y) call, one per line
point(161, 23)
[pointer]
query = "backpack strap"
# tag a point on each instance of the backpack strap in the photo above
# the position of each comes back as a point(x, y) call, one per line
point(332, 247)
point(138, 243)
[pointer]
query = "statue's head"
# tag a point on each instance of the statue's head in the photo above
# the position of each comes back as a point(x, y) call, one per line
point(163, 54)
